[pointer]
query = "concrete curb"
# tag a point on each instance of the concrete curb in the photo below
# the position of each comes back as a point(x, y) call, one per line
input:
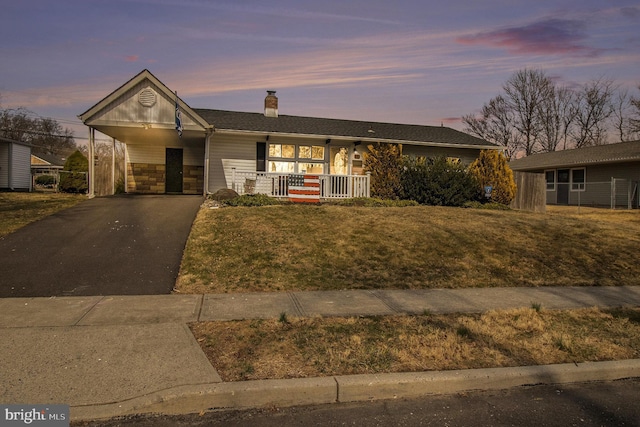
point(315, 391)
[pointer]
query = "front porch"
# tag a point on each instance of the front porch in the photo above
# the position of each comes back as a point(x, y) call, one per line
point(277, 184)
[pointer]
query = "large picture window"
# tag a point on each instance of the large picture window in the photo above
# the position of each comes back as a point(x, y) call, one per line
point(578, 179)
point(289, 158)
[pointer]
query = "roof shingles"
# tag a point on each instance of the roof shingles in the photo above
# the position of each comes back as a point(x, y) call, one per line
point(610, 153)
point(257, 122)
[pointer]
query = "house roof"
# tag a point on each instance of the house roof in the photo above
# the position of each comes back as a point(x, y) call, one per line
point(235, 121)
point(47, 160)
point(600, 154)
point(13, 141)
point(336, 128)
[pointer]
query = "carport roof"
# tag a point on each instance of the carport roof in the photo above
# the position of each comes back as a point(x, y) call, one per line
point(610, 153)
point(337, 128)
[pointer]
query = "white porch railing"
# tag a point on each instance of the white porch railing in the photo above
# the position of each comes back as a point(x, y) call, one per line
point(277, 184)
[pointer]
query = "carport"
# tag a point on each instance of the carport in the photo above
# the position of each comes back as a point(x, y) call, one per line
point(159, 159)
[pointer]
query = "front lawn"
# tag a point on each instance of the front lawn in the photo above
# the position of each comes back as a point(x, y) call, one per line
point(292, 247)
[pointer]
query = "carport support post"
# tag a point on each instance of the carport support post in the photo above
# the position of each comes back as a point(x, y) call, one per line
point(92, 136)
point(113, 167)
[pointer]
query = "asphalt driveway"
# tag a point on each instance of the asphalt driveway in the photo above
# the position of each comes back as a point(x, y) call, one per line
point(120, 245)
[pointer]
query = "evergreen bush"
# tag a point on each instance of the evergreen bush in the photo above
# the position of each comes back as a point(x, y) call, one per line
point(73, 179)
point(437, 181)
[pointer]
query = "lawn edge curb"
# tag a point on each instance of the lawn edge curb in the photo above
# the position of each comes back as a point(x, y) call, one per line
point(352, 388)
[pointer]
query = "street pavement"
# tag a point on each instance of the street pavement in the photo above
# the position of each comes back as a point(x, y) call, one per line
point(119, 245)
point(115, 355)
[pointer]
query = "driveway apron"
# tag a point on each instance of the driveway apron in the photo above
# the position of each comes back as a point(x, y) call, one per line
point(120, 245)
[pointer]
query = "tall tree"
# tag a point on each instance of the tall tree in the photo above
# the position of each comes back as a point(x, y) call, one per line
point(634, 120)
point(594, 109)
point(526, 93)
point(46, 134)
point(495, 124)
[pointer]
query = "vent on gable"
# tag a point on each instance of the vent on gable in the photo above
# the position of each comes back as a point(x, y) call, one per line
point(147, 97)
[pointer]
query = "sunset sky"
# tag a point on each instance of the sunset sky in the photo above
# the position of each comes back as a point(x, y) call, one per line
point(405, 61)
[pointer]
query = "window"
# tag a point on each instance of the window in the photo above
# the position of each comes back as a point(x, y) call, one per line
point(284, 167)
point(578, 179)
point(550, 177)
point(315, 152)
point(261, 157)
point(339, 160)
point(290, 158)
point(285, 151)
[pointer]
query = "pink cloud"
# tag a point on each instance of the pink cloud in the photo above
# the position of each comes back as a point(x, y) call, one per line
point(132, 58)
point(551, 36)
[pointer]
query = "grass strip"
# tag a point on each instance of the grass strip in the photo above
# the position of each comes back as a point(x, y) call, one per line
point(312, 347)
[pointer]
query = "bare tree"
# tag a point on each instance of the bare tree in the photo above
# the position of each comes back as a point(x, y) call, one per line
point(551, 123)
point(568, 111)
point(16, 124)
point(495, 124)
point(52, 138)
point(527, 91)
point(634, 119)
point(46, 134)
point(594, 110)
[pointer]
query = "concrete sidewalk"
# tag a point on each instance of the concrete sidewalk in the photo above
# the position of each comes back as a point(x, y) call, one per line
point(114, 355)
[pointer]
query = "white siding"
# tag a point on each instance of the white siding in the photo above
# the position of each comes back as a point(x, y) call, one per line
point(193, 155)
point(4, 165)
point(21, 167)
point(227, 152)
point(15, 166)
point(128, 109)
point(153, 154)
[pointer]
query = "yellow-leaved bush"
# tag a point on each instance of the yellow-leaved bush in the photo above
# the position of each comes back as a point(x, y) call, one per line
point(492, 169)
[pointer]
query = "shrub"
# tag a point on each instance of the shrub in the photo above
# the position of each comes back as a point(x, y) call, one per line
point(46, 180)
point(491, 168)
point(437, 181)
point(384, 162)
point(73, 179)
point(120, 186)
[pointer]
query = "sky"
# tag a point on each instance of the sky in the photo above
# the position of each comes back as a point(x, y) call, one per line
point(402, 61)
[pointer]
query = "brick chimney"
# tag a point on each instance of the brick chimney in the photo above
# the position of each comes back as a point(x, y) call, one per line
point(271, 104)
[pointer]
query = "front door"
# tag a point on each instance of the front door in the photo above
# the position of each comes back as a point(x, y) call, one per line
point(563, 187)
point(173, 163)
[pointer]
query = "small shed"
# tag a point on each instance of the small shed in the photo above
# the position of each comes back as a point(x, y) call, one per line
point(15, 165)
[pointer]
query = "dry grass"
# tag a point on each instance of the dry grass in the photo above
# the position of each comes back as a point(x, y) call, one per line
point(303, 347)
point(332, 247)
point(20, 209)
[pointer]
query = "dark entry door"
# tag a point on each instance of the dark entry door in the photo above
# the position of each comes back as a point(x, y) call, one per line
point(173, 163)
point(563, 187)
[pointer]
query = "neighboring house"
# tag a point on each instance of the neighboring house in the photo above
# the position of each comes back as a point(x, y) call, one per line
point(250, 152)
point(46, 164)
point(15, 166)
point(603, 175)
